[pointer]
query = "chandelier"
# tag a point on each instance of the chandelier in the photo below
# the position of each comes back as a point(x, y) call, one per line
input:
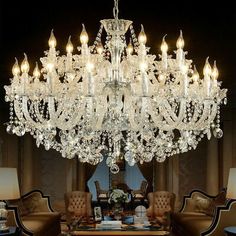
point(114, 99)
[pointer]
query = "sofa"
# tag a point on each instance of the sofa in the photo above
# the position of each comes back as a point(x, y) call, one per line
point(202, 215)
point(33, 214)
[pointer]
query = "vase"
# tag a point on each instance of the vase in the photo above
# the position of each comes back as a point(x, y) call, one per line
point(117, 211)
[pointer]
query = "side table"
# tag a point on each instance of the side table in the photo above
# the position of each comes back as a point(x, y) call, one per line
point(230, 231)
point(13, 231)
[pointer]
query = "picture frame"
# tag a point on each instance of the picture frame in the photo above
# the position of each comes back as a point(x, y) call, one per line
point(97, 213)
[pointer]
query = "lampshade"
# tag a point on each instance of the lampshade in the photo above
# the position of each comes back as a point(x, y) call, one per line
point(9, 187)
point(231, 188)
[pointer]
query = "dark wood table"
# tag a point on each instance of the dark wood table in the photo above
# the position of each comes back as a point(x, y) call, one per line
point(118, 232)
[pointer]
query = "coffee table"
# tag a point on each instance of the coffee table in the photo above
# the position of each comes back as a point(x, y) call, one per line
point(117, 232)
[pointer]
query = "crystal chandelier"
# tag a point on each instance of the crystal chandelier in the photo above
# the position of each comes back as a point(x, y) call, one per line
point(114, 99)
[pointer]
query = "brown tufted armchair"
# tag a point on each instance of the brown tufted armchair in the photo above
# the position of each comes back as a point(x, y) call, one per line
point(78, 206)
point(161, 204)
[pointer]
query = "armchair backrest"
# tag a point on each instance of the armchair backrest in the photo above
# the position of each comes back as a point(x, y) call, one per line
point(78, 204)
point(98, 188)
point(143, 187)
point(160, 202)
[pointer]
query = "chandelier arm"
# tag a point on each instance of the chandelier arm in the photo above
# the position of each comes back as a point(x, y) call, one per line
point(129, 109)
point(64, 124)
point(158, 119)
point(166, 112)
point(18, 110)
point(101, 110)
point(28, 117)
point(37, 112)
point(200, 124)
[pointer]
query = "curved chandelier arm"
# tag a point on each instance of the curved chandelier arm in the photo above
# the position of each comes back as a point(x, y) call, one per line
point(27, 116)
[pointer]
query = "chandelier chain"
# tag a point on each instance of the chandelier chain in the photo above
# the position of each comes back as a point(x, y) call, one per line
point(116, 9)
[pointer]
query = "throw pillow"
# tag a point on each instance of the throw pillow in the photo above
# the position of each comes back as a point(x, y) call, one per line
point(202, 204)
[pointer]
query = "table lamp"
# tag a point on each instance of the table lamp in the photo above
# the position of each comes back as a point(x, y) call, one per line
point(9, 190)
point(231, 188)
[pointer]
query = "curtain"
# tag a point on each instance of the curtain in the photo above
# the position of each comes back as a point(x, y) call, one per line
point(89, 171)
point(147, 170)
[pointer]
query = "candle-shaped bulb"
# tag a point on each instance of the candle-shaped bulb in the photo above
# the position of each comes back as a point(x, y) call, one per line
point(16, 68)
point(52, 42)
point(142, 38)
point(25, 65)
point(195, 75)
point(99, 48)
point(164, 45)
point(180, 41)
point(83, 36)
point(130, 48)
point(69, 46)
point(36, 72)
point(215, 72)
point(207, 68)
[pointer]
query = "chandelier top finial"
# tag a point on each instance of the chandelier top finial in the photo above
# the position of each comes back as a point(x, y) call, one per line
point(116, 9)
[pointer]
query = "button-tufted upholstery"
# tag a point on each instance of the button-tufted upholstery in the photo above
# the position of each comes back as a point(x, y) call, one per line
point(78, 204)
point(161, 204)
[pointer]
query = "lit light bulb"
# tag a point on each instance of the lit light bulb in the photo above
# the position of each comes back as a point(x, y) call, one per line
point(69, 46)
point(164, 45)
point(195, 76)
point(184, 69)
point(180, 41)
point(99, 48)
point(215, 72)
point(25, 65)
point(143, 66)
point(207, 68)
point(16, 68)
point(130, 48)
point(52, 42)
point(36, 72)
point(142, 38)
point(50, 67)
point(161, 78)
point(83, 36)
point(89, 66)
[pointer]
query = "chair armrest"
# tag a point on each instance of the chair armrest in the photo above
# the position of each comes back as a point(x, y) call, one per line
point(36, 201)
point(224, 216)
point(189, 203)
point(14, 219)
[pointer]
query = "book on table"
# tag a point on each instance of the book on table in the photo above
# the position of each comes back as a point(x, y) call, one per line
point(105, 224)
